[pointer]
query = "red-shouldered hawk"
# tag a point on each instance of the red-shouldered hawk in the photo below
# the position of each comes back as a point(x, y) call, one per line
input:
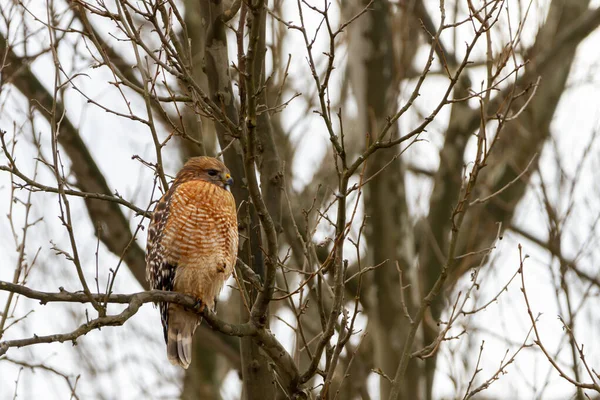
point(192, 247)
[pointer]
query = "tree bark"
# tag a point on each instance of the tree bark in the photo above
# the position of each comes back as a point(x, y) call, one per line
point(374, 78)
point(258, 379)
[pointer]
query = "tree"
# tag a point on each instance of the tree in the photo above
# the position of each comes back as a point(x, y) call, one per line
point(369, 274)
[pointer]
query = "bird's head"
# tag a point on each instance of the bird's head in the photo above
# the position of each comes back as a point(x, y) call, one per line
point(207, 169)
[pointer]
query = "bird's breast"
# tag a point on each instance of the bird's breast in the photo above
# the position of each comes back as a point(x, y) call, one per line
point(203, 224)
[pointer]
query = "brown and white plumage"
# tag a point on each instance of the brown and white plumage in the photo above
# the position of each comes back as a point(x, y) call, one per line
point(192, 247)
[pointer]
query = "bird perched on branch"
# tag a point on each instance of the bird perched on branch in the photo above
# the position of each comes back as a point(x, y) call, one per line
point(192, 247)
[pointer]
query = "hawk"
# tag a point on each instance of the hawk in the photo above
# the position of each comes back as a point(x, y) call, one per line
point(192, 247)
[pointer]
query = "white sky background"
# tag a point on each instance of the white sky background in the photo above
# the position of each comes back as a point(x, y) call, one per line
point(132, 352)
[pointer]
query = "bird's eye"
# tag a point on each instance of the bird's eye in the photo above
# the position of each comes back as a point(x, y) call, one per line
point(213, 172)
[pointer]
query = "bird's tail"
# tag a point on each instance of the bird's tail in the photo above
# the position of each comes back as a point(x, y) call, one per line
point(181, 327)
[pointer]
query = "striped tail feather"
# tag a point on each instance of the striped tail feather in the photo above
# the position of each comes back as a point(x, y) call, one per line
point(180, 333)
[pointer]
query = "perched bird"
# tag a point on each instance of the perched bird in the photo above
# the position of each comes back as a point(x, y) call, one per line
point(192, 247)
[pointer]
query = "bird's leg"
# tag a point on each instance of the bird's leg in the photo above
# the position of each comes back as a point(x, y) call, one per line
point(199, 305)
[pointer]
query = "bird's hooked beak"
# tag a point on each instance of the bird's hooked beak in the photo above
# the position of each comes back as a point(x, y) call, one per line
point(227, 181)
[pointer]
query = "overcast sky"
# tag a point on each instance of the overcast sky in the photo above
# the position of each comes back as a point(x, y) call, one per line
point(134, 354)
